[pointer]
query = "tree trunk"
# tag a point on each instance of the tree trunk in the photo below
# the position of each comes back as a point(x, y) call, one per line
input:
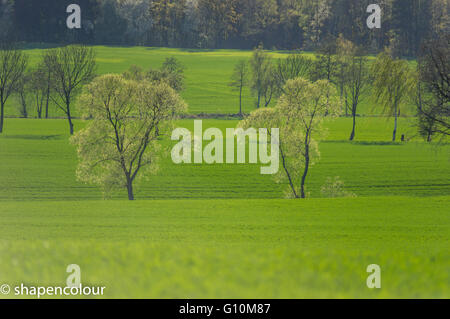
point(39, 108)
point(305, 172)
point(287, 172)
point(352, 135)
point(1, 115)
point(240, 100)
point(130, 189)
point(69, 118)
point(259, 100)
point(394, 134)
point(47, 96)
point(46, 105)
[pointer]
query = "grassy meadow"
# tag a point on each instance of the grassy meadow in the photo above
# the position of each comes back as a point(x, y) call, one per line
point(207, 74)
point(226, 231)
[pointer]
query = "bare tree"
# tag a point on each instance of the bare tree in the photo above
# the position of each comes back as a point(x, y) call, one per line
point(433, 91)
point(356, 84)
point(22, 90)
point(72, 66)
point(260, 65)
point(38, 87)
point(239, 80)
point(13, 63)
point(294, 66)
point(46, 68)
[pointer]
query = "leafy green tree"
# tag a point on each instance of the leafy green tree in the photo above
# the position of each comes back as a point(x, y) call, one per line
point(392, 84)
point(325, 65)
point(171, 72)
point(218, 21)
point(121, 139)
point(298, 114)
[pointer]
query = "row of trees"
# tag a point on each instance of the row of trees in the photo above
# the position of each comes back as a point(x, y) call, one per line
point(284, 24)
point(390, 80)
point(127, 112)
point(59, 76)
point(304, 103)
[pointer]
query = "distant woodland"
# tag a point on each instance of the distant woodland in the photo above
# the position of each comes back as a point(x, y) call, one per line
point(239, 24)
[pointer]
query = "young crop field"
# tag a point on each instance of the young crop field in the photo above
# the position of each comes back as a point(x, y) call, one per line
point(316, 248)
point(225, 230)
point(207, 74)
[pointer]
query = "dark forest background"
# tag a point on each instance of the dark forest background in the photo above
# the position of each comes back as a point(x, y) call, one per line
point(240, 24)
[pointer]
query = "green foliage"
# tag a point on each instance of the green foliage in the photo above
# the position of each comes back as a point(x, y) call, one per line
point(205, 91)
point(298, 114)
point(334, 187)
point(393, 82)
point(171, 72)
point(120, 139)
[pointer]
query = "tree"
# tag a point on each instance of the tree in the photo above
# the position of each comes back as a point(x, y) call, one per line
point(393, 82)
point(217, 21)
point(23, 93)
point(433, 88)
point(325, 63)
point(39, 88)
point(261, 70)
point(121, 140)
point(345, 52)
point(6, 9)
point(13, 64)
point(171, 72)
point(299, 115)
point(356, 84)
point(110, 26)
point(72, 66)
point(45, 68)
point(239, 80)
point(294, 66)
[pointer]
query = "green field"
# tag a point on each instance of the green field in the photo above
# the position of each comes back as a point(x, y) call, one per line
point(226, 231)
point(232, 248)
point(207, 74)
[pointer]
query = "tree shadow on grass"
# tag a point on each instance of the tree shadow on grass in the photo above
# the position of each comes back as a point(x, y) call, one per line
point(367, 143)
point(33, 137)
